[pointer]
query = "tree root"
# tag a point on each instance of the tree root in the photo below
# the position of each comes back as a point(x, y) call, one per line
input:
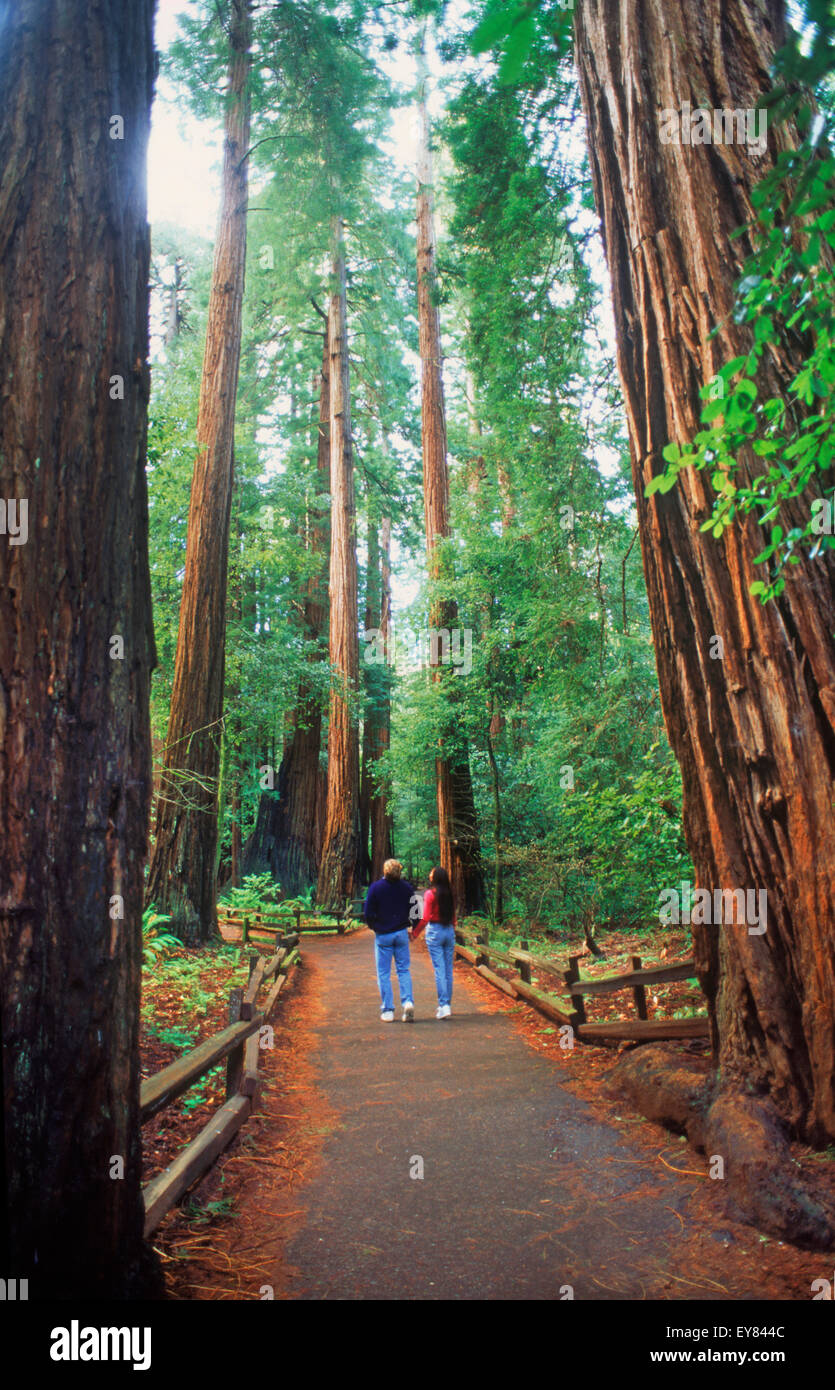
point(758, 1171)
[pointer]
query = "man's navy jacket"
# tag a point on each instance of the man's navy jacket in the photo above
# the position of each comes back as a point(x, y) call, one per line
point(388, 904)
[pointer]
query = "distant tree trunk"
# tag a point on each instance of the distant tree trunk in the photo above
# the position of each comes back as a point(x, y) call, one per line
point(375, 818)
point(340, 850)
point(76, 641)
point(373, 604)
point(230, 781)
point(182, 875)
point(460, 847)
point(174, 317)
point(285, 839)
point(498, 890)
point(381, 817)
point(754, 731)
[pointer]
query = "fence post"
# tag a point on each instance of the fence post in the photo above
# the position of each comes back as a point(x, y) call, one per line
point(245, 931)
point(235, 1060)
point(481, 957)
point(524, 966)
point(571, 975)
point(639, 991)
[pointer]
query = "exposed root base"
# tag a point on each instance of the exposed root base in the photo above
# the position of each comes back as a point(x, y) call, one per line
point(761, 1177)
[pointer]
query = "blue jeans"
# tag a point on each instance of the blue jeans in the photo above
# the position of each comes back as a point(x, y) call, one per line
point(394, 944)
point(441, 943)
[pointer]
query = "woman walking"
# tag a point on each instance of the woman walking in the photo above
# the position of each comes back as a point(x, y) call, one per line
point(439, 920)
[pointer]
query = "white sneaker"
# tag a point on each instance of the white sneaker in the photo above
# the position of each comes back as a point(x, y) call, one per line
point(445, 1011)
point(387, 1016)
point(439, 1012)
point(408, 1012)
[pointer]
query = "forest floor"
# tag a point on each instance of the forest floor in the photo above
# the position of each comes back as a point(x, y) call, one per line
point(535, 1177)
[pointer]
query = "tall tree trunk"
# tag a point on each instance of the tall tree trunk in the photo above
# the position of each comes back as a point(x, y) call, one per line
point(375, 817)
point(754, 731)
point(460, 847)
point(340, 850)
point(182, 878)
point(230, 783)
point(498, 890)
point(285, 839)
point(174, 317)
point(381, 817)
point(371, 673)
point(76, 640)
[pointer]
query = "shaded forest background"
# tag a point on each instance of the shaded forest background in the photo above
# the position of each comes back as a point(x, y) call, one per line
point(555, 696)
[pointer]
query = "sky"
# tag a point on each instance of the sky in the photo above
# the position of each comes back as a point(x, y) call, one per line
point(183, 154)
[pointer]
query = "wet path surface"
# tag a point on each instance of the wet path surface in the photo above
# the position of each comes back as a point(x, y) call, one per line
point(524, 1190)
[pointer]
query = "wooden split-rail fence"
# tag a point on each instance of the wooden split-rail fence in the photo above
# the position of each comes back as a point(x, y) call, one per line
point(278, 920)
point(475, 948)
point(239, 1043)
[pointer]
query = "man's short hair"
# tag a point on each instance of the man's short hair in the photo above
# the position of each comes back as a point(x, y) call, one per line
point(392, 869)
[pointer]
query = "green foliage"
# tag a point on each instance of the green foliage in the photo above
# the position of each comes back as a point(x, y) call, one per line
point(786, 299)
point(183, 1038)
point(558, 712)
point(259, 891)
point(155, 942)
point(203, 1213)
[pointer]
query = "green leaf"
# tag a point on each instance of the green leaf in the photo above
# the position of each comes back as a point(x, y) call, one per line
point(518, 47)
point(493, 28)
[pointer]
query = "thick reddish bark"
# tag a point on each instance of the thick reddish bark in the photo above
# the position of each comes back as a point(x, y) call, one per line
point(75, 767)
point(182, 876)
point(340, 849)
point(754, 731)
point(286, 840)
point(460, 846)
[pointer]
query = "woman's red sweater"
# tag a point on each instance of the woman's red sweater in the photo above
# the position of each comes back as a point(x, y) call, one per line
point(430, 908)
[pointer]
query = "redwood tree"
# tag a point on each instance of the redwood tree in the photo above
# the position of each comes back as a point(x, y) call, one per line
point(460, 847)
point(754, 730)
point(287, 839)
point(76, 641)
point(380, 812)
point(340, 849)
point(375, 817)
point(182, 877)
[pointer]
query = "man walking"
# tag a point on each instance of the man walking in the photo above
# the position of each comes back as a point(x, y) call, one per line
point(388, 906)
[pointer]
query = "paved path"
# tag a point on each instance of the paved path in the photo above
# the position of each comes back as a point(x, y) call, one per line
point(524, 1191)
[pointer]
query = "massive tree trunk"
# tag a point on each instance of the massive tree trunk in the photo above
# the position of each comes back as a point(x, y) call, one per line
point(460, 847)
point(182, 877)
point(76, 640)
point(340, 850)
point(754, 731)
point(285, 839)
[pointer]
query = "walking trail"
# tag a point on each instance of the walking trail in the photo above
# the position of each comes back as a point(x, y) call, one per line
point(525, 1193)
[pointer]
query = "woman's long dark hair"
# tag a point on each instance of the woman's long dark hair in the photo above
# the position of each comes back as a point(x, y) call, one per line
point(439, 879)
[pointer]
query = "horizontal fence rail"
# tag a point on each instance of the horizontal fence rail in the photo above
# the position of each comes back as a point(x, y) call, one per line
point(239, 1043)
point(278, 920)
point(475, 948)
